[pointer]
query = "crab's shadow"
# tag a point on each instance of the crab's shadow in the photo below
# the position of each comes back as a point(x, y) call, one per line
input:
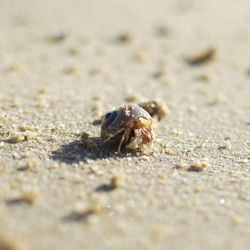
point(79, 151)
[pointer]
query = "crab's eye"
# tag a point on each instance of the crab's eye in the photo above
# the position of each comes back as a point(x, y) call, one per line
point(110, 117)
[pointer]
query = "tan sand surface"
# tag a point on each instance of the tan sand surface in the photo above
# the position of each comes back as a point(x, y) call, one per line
point(64, 64)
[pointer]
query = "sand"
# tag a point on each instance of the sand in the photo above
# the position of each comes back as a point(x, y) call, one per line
point(63, 64)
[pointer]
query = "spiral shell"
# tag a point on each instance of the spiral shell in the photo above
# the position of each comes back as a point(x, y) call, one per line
point(130, 125)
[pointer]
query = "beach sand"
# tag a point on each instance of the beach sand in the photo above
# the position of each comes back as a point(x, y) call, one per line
point(63, 64)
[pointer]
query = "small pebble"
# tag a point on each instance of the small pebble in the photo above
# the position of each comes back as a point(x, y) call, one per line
point(98, 203)
point(117, 181)
point(181, 164)
point(72, 69)
point(170, 152)
point(58, 38)
point(27, 197)
point(16, 137)
point(125, 38)
point(204, 77)
point(198, 166)
point(226, 145)
point(202, 57)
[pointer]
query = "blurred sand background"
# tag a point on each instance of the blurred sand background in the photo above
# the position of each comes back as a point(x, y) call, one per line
point(65, 63)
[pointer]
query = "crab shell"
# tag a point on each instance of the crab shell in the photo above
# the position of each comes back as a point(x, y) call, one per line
point(130, 125)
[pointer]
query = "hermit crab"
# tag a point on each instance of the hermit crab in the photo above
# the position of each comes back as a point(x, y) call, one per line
point(129, 126)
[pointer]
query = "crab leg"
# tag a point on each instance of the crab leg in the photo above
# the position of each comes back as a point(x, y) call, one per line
point(124, 138)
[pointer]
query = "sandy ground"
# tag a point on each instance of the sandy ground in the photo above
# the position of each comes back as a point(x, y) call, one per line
point(63, 64)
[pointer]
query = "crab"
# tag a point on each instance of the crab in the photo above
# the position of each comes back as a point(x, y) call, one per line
point(129, 126)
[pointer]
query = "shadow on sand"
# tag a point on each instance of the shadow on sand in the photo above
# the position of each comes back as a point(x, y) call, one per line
point(78, 150)
point(77, 216)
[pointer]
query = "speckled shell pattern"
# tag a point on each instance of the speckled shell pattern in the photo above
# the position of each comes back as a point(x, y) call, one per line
point(124, 115)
